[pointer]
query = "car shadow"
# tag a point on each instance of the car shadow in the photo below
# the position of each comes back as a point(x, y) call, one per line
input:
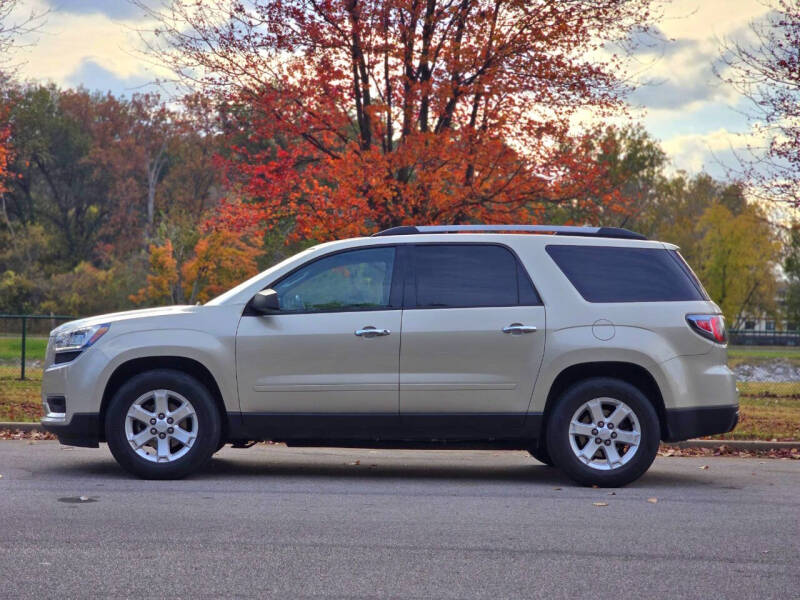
point(331, 466)
point(227, 467)
point(458, 471)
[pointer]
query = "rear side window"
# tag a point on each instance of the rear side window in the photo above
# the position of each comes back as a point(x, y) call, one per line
point(469, 275)
point(616, 274)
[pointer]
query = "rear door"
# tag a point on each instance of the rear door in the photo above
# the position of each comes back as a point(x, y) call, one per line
point(472, 341)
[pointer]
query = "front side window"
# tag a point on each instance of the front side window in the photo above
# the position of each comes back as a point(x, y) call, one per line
point(353, 280)
point(469, 275)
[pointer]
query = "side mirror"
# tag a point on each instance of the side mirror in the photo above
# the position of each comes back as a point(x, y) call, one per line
point(266, 302)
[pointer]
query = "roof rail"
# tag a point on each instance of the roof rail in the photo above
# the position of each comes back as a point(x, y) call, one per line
point(606, 232)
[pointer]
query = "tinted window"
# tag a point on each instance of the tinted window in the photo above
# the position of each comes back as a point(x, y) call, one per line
point(461, 275)
point(609, 274)
point(355, 280)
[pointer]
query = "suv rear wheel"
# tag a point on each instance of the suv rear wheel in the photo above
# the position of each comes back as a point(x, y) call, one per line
point(604, 432)
point(162, 424)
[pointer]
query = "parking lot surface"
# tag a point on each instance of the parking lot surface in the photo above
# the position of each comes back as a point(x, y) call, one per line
point(276, 522)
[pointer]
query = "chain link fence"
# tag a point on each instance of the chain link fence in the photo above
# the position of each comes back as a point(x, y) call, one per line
point(23, 338)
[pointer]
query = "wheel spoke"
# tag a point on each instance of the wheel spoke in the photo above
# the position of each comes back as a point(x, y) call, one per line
point(596, 410)
point(180, 413)
point(183, 436)
point(612, 456)
point(161, 401)
point(163, 449)
point(578, 428)
point(628, 437)
point(618, 415)
point(140, 414)
point(588, 451)
point(141, 438)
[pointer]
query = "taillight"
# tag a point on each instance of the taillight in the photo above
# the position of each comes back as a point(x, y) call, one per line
point(711, 327)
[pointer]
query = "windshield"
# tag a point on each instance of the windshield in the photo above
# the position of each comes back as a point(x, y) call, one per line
point(223, 298)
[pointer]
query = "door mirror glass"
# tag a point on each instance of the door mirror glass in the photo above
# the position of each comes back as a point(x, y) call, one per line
point(266, 302)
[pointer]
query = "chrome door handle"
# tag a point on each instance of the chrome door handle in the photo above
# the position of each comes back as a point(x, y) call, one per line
point(370, 331)
point(518, 328)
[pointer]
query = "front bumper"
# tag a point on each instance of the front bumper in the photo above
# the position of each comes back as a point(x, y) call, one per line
point(83, 429)
point(686, 423)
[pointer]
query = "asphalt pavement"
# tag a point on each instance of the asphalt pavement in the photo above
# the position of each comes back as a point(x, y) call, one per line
point(276, 522)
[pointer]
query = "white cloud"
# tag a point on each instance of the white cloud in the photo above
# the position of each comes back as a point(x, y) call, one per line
point(67, 40)
point(713, 151)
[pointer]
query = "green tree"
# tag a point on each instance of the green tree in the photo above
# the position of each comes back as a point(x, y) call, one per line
point(738, 260)
point(791, 270)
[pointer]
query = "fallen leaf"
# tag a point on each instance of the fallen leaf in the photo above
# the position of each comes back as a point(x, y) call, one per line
point(652, 500)
point(703, 468)
point(358, 462)
point(600, 503)
point(84, 498)
point(595, 486)
point(556, 488)
point(612, 493)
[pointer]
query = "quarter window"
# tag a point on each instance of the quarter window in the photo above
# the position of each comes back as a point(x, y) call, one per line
point(354, 280)
point(469, 275)
point(626, 274)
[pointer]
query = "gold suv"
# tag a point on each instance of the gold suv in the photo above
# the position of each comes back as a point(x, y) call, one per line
point(584, 346)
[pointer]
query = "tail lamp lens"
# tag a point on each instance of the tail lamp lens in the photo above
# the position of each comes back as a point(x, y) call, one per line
point(711, 327)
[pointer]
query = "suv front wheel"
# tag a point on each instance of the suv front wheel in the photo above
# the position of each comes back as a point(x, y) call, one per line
point(603, 432)
point(162, 424)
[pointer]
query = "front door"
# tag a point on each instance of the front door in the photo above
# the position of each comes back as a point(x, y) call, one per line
point(333, 348)
point(473, 341)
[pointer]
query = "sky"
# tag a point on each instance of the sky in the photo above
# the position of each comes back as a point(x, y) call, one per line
point(699, 121)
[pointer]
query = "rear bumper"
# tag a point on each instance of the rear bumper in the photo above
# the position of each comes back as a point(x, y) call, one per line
point(687, 423)
point(83, 429)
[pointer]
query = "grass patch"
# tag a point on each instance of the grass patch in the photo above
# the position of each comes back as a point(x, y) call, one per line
point(20, 401)
point(758, 354)
point(767, 411)
point(11, 348)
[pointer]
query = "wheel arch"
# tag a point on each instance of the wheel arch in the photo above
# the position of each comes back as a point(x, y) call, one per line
point(631, 373)
point(190, 366)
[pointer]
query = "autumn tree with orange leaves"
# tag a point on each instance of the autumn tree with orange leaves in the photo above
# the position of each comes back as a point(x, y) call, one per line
point(220, 259)
point(363, 115)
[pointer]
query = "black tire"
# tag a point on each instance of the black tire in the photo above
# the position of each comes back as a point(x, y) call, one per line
point(208, 424)
point(558, 437)
point(540, 453)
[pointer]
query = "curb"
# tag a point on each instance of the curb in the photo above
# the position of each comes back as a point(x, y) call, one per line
point(735, 444)
point(21, 426)
point(713, 444)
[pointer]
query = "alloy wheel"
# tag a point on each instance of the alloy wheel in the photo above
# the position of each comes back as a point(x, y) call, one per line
point(161, 426)
point(604, 433)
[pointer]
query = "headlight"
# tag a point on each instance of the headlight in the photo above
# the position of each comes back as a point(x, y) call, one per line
point(79, 338)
